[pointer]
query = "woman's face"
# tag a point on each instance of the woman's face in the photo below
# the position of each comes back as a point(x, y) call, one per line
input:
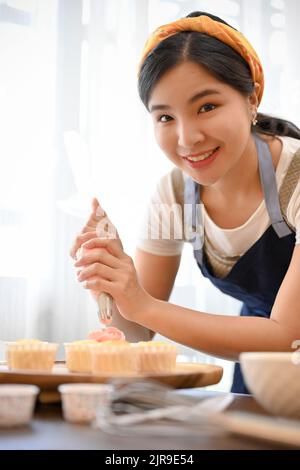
point(201, 124)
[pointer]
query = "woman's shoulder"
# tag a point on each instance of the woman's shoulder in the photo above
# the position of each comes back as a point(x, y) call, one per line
point(290, 148)
point(288, 177)
point(290, 144)
point(283, 149)
point(170, 187)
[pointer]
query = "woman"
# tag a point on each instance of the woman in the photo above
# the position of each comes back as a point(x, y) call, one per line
point(202, 82)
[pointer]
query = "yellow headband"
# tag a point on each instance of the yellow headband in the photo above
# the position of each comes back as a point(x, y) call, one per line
point(226, 34)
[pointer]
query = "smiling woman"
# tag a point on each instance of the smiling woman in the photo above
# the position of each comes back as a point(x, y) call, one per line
point(194, 129)
point(234, 185)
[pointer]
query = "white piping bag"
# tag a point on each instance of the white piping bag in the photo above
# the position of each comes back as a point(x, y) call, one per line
point(78, 154)
point(104, 302)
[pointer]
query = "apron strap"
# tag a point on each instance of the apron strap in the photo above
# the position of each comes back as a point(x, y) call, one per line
point(193, 218)
point(268, 180)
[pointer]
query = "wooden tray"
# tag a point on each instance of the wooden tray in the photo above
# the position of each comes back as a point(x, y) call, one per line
point(186, 375)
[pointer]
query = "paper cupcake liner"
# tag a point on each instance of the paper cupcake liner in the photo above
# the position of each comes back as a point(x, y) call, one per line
point(31, 356)
point(78, 357)
point(113, 359)
point(158, 358)
point(16, 404)
point(81, 401)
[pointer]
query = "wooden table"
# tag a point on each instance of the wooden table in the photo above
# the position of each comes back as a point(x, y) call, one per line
point(48, 430)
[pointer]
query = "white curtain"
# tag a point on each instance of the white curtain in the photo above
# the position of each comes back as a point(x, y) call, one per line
point(27, 166)
point(72, 126)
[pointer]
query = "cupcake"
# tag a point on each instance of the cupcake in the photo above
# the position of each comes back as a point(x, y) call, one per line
point(113, 357)
point(156, 356)
point(78, 357)
point(31, 354)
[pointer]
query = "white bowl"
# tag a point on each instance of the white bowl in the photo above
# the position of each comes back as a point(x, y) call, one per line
point(17, 404)
point(81, 401)
point(274, 380)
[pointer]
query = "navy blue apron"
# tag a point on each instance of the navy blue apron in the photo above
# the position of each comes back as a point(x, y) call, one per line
point(256, 277)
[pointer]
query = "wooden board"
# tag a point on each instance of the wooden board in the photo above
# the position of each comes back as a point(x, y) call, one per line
point(270, 428)
point(186, 375)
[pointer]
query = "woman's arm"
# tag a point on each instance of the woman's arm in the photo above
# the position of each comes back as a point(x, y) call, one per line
point(228, 336)
point(224, 336)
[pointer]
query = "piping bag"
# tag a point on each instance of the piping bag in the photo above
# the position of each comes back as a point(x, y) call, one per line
point(78, 155)
point(105, 308)
point(104, 229)
point(104, 302)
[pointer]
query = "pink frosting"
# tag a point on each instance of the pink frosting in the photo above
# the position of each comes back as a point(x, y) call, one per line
point(108, 334)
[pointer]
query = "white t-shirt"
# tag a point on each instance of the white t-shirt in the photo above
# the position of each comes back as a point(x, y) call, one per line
point(226, 242)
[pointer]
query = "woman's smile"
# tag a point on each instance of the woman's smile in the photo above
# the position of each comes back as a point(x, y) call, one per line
point(202, 160)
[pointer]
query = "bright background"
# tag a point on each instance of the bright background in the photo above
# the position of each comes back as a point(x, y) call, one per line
point(72, 126)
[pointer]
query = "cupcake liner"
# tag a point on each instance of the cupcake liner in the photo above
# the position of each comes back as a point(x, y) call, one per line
point(111, 358)
point(81, 401)
point(31, 355)
point(156, 357)
point(78, 357)
point(17, 404)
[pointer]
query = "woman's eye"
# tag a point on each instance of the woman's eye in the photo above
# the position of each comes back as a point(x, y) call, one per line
point(206, 108)
point(164, 118)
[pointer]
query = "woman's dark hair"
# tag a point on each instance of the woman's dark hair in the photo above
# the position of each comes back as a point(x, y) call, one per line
point(219, 59)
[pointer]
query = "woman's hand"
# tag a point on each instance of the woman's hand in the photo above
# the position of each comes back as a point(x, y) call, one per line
point(104, 267)
point(97, 222)
point(98, 225)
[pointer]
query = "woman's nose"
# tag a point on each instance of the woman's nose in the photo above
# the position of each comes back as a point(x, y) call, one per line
point(189, 134)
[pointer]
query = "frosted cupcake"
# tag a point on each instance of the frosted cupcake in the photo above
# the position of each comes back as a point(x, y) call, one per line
point(31, 354)
point(78, 357)
point(156, 356)
point(113, 357)
point(107, 334)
